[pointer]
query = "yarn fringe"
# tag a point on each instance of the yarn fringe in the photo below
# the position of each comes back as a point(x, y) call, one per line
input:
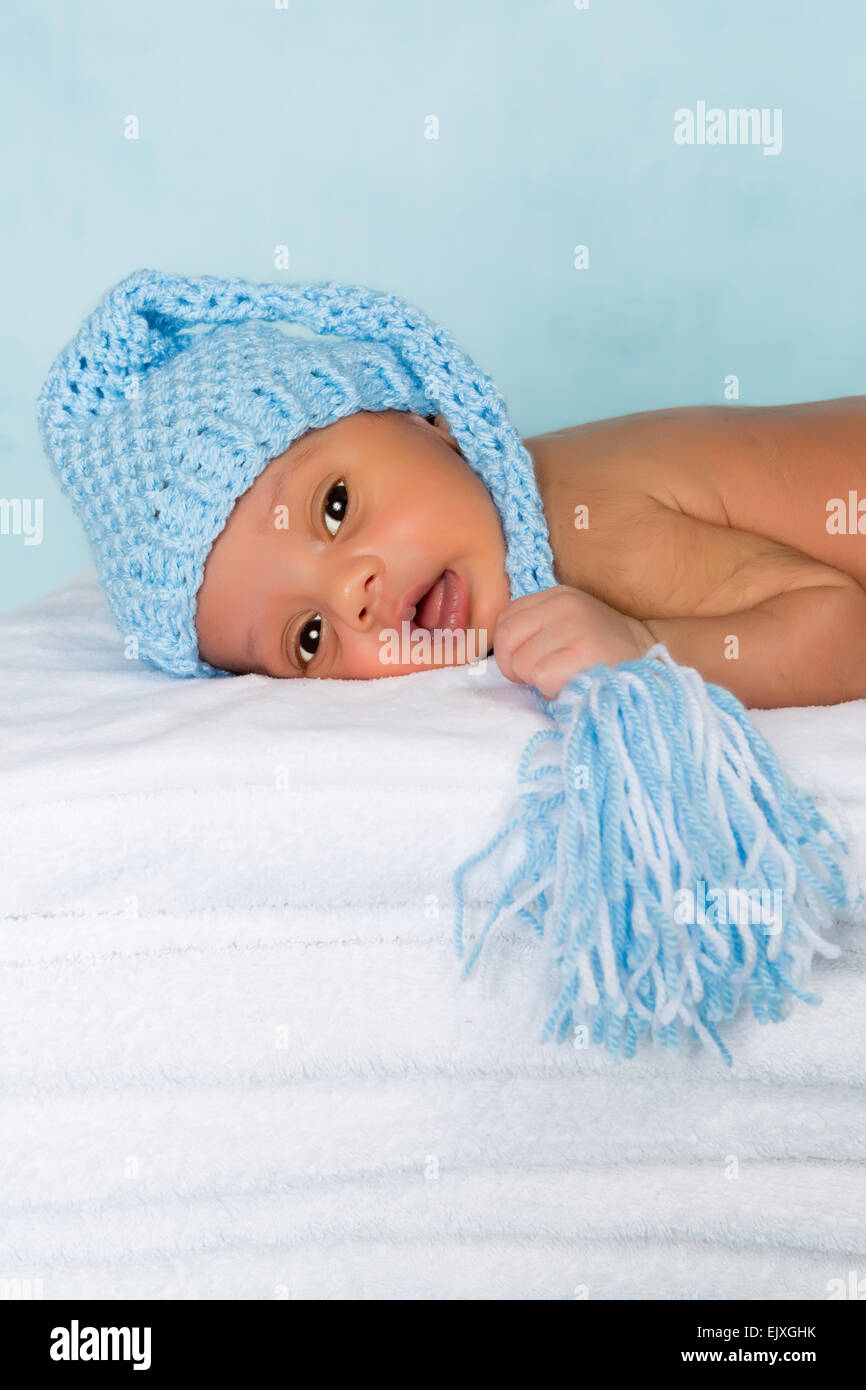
point(653, 838)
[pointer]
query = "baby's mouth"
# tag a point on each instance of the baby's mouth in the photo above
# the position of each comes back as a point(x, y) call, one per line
point(444, 605)
point(421, 602)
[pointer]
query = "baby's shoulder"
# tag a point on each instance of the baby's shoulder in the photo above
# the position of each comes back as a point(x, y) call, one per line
point(672, 456)
point(609, 489)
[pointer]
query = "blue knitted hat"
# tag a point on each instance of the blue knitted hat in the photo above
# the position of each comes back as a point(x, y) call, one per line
point(155, 429)
point(656, 786)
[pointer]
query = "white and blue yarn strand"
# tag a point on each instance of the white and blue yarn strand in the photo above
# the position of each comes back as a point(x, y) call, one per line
point(653, 781)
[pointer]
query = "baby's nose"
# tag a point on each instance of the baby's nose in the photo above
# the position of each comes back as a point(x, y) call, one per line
point(360, 599)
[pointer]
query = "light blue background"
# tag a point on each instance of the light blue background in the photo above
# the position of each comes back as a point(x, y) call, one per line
point(305, 127)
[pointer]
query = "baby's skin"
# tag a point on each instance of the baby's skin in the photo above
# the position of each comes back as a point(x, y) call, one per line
point(731, 534)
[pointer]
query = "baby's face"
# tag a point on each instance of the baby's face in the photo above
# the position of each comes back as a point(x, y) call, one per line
point(335, 542)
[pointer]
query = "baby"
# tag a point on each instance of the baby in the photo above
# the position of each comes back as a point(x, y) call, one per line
point(259, 502)
point(731, 534)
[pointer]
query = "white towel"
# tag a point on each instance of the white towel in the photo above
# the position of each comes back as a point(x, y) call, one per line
point(237, 1057)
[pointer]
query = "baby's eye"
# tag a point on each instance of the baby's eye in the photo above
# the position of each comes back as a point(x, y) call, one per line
point(333, 512)
point(308, 638)
point(335, 506)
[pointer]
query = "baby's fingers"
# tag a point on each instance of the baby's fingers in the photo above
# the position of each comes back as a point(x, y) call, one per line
point(548, 659)
point(510, 632)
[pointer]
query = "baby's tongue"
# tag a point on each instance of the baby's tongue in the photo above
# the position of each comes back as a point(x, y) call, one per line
point(430, 607)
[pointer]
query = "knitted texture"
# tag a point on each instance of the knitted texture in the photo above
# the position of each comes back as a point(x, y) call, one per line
point(154, 430)
point(167, 405)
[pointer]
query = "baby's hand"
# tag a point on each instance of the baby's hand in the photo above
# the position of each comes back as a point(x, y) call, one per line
point(544, 639)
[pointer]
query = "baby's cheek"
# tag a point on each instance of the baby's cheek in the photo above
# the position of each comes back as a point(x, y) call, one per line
point(367, 658)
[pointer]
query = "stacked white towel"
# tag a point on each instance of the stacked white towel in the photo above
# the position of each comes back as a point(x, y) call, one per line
point(237, 1057)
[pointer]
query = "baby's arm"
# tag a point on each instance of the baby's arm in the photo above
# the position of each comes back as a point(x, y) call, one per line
point(803, 647)
point(767, 622)
point(773, 625)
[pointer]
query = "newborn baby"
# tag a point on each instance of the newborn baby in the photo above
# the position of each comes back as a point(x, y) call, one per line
point(730, 534)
